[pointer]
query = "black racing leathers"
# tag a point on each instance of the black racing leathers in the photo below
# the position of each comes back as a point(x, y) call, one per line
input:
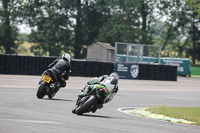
point(58, 67)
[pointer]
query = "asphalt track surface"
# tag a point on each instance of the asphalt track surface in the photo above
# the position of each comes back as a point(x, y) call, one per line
point(22, 112)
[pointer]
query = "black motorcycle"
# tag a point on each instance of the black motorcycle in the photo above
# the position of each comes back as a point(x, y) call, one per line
point(48, 85)
point(91, 99)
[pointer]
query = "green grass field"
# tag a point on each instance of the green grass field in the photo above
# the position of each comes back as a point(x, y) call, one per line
point(24, 49)
point(187, 113)
point(195, 70)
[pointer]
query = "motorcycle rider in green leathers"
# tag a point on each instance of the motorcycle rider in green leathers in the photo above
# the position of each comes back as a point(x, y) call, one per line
point(109, 83)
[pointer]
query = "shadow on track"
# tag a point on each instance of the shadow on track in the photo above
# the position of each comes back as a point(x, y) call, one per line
point(100, 116)
point(56, 99)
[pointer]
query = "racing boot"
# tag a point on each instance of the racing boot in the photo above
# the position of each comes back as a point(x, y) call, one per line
point(94, 109)
point(99, 106)
point(57, 87)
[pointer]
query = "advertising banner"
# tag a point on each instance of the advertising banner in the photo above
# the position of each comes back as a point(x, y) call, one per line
point(183, 65)
point(127, 70)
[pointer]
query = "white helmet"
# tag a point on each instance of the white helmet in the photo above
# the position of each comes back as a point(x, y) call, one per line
point(114, 74)
point(66, 56)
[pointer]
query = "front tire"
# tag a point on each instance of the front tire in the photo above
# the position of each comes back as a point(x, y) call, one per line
point(86, 106)
point(41, 90)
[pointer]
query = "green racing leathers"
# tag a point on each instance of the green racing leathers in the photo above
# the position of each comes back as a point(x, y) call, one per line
point(106, 82)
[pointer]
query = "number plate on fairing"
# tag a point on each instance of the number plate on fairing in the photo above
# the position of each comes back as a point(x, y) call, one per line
point(46, 78)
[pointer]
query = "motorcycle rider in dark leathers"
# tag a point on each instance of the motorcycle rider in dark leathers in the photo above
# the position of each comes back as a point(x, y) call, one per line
point(61, 68)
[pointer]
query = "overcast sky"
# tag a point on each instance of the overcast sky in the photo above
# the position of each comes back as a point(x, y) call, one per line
point(24, 29)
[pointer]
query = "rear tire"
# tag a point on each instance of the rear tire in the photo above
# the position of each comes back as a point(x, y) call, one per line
point(86, 106)
point(41, 90)
point(53, 92)
point(51, 95)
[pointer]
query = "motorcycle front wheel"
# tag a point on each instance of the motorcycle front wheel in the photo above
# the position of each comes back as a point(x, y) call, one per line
point(86, 106)
point(41, 90)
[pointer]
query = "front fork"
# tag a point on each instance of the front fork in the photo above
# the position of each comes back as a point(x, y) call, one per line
point(81, 100)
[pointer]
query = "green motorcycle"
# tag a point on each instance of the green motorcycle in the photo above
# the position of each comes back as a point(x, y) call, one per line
point(91, 99)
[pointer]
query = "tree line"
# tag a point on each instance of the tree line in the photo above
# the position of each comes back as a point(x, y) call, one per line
point(72, 25)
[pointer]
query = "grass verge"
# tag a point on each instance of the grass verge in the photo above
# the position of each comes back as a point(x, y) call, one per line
point(195, 76)
point(186, 113)
point(195, 70)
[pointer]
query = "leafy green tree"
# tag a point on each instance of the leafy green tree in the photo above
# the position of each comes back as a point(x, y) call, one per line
point(9, 18)
point(122, 23)
point(93, 19)
point(51, 20)
point(194, 5)
point(149, 16)
point(191, 23)
point(59, 24)
point(180, 31)
point(78, 31)
point(172, 10)
point(130, 21)
point(89, 18)
point(70, 26)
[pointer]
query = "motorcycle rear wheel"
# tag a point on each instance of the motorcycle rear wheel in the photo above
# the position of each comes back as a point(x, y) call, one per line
point(86, 106)
point(53, 92)
point(41, 90)
point(51, 95)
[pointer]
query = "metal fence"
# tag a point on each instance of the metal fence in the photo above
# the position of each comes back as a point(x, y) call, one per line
point(137, 53)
